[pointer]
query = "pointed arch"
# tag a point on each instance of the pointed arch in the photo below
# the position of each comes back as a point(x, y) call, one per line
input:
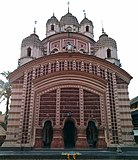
point(69, 133)
point(92, 134)
point(87, 28)
point(29, 50)
point(47, 134)
point(52, 27)
point(108, 53)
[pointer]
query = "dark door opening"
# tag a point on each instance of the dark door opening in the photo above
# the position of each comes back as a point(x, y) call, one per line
point(92, 134)
point(47, 134)
point(69, 134)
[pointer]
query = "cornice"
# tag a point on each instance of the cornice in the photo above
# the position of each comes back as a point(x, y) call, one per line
point(70, 56)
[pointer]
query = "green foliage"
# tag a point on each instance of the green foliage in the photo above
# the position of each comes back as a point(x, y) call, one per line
point(4, 125)
point(5, 74)
point(5, 93)
point(5, 87)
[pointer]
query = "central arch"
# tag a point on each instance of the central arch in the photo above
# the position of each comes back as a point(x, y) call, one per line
point(69, 134)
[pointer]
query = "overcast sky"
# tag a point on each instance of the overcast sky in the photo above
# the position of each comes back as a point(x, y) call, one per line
point(120, 22)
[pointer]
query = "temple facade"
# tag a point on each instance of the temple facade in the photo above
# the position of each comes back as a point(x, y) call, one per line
point(69, 91)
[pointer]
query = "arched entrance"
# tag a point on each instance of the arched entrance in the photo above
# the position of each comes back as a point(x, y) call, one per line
point(47, 134)
point(92, 134)
point(69, 134)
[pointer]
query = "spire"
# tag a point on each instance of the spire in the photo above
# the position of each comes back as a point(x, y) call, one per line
point(84, 13)
point(35, 27)
point(68, 6)
point(103, 32)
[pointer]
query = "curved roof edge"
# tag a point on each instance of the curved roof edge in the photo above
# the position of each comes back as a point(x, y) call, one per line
point(65, 55)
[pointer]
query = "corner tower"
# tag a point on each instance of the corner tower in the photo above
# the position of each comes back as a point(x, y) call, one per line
point(106, 48)
point(30, 49)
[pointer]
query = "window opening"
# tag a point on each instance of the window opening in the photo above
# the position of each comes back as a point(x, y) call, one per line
point(108, 53)
point(29, 52)
point(52, 27)
point(87, 28)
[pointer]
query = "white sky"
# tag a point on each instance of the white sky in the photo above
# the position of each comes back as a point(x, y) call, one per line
point(120, 21)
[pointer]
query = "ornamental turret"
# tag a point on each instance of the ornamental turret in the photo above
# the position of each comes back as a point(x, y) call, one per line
point(69, 23)
point(52, 26)
point(86, 27)
point(106, 48)
point(30, 49)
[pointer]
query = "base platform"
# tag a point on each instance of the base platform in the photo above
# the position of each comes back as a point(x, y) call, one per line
point(47, 154)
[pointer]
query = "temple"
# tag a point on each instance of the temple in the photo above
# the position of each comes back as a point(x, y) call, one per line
point(69, 91)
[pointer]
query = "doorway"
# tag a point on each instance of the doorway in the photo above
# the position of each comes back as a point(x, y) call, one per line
point(69, 134)
point(92, 134)
point(47, 134)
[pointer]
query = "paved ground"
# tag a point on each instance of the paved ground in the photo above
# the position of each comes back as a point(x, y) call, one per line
point(62, 154)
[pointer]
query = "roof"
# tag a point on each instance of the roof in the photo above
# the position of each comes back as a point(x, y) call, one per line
point(32, 39)
point(86, 21)
point(105, 41)
point(69, 19)
point(52, 20)
point(134, 100)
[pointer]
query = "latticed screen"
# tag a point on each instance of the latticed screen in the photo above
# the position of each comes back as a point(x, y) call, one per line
point(25, 135)
point(69, 103)
point(91, 107)
point(47, 106)
point(114, 129)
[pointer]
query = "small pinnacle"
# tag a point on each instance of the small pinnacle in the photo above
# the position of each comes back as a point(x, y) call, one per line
point(35, 27)
point(84, 13)
point(103, 30)
point(68, 6)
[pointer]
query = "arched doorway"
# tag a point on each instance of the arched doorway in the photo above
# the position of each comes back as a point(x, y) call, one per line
point(92, 134)
point(69, 134)
point(47, 134)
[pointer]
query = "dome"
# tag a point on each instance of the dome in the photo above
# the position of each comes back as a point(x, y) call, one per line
point(105, 41)
point(33, 39)
point(52, 20)
point(69, 19)
point(86, 21)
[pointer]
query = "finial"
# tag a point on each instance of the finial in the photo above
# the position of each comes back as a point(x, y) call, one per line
point(53, 14)
point(84, 13)
point(35, 27)
point(68, 6)
point(102, 28)
point(103, 31)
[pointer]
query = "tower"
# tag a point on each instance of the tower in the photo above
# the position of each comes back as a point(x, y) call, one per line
point(86, 27)
point(106, 48)
point(52, 26)
point(30, 49)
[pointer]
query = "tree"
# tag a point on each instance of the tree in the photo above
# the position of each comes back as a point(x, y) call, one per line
point(5, 93)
